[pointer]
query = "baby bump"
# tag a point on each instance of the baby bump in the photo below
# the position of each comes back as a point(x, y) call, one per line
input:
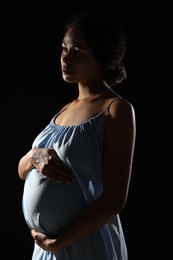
point(49, 206)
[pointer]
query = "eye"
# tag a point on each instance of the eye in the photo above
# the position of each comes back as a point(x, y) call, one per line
point(64, 49)
point(77, 52)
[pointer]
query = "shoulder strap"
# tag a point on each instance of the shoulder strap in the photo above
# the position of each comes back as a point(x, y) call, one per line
point(106, 108)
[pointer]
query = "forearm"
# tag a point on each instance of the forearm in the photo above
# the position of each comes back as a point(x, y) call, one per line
point(86, 223)
point(25, 165)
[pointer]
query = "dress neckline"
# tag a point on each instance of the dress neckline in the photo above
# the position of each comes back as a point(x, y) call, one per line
point(77, 125)
point(86, 121)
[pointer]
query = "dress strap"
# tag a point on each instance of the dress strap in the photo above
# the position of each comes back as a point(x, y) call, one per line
point(106, 108)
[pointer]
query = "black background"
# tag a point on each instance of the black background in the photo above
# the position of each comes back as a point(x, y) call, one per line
point(32, 91)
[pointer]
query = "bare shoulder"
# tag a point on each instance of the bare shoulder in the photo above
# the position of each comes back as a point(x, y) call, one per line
point(120, 119)
point(121, 107)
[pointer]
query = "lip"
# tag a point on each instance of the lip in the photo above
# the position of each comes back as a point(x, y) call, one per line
point(66, 71)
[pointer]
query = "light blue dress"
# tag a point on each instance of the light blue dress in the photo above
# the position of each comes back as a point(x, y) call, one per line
point(48, 206)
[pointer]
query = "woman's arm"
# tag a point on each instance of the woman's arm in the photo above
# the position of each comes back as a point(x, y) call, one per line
point(25, 165)
point(47, 162)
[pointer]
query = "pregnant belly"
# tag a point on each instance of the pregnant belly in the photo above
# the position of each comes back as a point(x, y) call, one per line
point(48, 206)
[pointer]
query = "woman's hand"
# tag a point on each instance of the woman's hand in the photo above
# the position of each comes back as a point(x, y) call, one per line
point(43, 240)
point(47, 162)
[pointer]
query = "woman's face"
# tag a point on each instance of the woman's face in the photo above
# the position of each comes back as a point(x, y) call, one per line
point(78, 64)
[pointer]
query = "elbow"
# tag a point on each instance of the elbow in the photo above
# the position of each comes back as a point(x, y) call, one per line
point(21, 175)
point(22, 172)
point(24, 166)
point(114, 205)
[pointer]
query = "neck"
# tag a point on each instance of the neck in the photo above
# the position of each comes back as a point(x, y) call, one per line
point(92, 92)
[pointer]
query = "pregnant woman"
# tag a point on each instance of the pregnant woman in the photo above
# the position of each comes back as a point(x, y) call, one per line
point(78, 171)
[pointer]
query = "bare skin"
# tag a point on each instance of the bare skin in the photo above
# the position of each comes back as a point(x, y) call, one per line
point(80, 66)
point(47, 162)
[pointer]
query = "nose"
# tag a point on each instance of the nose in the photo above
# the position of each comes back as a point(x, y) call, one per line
point(65, 62)
point(66, 57)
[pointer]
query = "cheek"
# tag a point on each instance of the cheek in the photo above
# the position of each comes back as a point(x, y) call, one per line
point(91, 68)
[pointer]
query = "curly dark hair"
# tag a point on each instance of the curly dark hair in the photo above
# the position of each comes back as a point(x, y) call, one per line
point(106, 39)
